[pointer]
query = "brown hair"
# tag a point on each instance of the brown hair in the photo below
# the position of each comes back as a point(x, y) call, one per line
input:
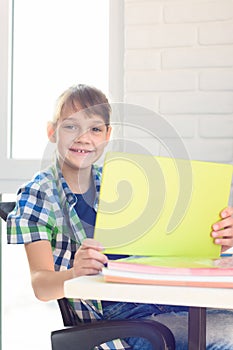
point(83, 97)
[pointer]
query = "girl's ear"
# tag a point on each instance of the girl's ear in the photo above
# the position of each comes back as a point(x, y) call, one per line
point(51, 132)
point(109, 131)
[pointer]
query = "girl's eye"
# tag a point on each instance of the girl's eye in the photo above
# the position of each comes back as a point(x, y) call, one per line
point(70, 127)
point(96, 130)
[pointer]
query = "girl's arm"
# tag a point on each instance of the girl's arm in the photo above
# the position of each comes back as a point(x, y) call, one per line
point(46, 283)
point(49, 284)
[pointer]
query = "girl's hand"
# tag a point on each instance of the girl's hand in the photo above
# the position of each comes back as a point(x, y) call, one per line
point(223, 229)
point(88, 259)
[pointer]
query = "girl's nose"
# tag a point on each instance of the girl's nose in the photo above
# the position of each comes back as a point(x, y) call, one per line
point(83, 135)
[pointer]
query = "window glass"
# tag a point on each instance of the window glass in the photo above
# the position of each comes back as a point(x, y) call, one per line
point(56, 44)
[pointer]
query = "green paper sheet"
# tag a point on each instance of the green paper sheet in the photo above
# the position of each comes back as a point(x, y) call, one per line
point(160, 206)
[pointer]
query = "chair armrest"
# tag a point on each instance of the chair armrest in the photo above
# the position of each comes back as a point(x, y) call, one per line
point(87, 336)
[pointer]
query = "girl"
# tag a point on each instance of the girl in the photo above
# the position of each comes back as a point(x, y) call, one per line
point(55, 216)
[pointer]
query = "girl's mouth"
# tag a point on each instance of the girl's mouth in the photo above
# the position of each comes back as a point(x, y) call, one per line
point(81, 151)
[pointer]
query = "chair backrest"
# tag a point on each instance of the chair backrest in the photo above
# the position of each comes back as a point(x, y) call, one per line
point(5, 209)
point(69, 316)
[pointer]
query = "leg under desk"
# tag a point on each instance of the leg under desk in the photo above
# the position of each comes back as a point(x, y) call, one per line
point(197, 328)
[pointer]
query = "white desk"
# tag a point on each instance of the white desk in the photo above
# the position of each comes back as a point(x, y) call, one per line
point(197, 298)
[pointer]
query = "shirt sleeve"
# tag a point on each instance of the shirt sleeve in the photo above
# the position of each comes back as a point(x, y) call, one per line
point(32, 218)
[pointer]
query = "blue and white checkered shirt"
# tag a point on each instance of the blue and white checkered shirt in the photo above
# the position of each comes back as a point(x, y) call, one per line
point(45, 210)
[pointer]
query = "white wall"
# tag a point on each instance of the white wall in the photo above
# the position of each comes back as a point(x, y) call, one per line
point(179, 63)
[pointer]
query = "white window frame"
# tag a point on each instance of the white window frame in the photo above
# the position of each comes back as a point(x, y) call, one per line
point(16, 171)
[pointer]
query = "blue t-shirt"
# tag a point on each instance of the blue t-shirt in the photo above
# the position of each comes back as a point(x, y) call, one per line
point(87, 215)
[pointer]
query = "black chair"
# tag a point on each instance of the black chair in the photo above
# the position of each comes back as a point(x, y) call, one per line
point(85, 336)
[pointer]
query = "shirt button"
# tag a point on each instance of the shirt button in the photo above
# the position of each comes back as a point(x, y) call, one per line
point(70, 198)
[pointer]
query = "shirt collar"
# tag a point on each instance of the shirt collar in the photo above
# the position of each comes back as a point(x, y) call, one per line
point(63, 189)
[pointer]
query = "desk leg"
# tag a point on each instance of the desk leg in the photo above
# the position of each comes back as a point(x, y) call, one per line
point(197, 328)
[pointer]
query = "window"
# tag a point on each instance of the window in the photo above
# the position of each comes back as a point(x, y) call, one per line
point(47, 46)
point(55, 45)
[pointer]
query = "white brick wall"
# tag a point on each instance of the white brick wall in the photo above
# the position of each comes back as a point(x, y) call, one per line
point(197, 11)
point(179, 63)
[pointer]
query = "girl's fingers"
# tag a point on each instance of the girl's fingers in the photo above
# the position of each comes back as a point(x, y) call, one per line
point(92, 243)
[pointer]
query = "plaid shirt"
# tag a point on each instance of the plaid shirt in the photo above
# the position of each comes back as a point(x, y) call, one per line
point(45, 211)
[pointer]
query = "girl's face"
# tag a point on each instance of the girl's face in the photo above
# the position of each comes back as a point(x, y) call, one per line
point(81, 139)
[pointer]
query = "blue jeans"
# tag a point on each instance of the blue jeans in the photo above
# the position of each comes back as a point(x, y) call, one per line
point(219, 323)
